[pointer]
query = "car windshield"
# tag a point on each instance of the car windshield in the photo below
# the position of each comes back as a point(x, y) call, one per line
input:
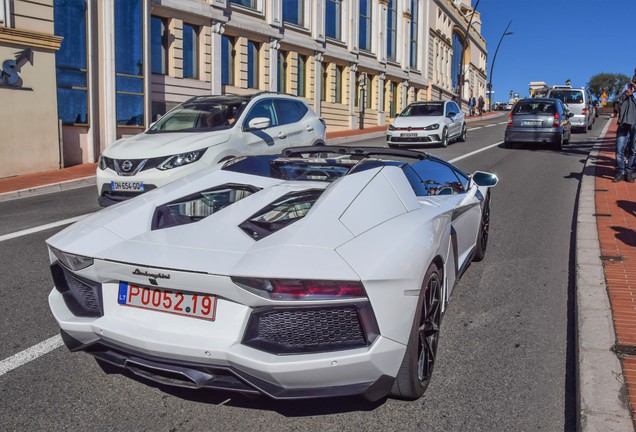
point(568, 96)
point(423, 110)
point(535, 107)
point(200, 116)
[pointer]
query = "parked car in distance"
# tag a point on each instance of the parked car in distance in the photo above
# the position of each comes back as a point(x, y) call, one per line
point(289, 275)
point(537, 121)
point(202, 132)
point(427, 123)
point(579, 103)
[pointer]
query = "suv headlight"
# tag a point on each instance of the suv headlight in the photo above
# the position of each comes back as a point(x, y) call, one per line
point(102, 162)
point(432, 127)
point(72, 261)
point(181, 159)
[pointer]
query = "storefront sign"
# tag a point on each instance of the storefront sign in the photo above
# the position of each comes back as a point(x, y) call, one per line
point(11, 68)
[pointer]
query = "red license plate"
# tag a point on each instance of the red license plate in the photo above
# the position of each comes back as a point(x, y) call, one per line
point(201, 306)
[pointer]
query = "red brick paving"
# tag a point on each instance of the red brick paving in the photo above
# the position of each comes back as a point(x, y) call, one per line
point(27, 181)
point(617, 238)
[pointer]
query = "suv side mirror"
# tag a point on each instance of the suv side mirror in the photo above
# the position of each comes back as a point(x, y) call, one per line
point(258, 123)
point(570, 114)
point(451, 114)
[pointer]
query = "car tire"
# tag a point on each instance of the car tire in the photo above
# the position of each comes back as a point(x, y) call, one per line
point(464, 134)
point(482, 237)
point(416, 369)
point(444, 142)
point(585, 129)
point(589, 127)
point(507, 144)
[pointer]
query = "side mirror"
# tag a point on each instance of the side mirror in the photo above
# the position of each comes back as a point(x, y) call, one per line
point(570, 115)
point(258, 123)
point(482, 178)
point(451, 115)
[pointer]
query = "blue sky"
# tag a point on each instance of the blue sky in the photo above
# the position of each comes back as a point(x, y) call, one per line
point(556, 40)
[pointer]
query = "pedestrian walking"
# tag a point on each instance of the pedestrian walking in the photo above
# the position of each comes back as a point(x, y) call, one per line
point(626, 134)
point(472, 102)
point(481, 104)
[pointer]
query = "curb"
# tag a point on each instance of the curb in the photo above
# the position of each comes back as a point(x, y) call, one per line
point(49, 188)
point(602, 394)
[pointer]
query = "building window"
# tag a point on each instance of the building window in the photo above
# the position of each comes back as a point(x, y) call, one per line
point(282, 71)
point(391, 31)
point(414, 30)
point(252, 64)
point(323, 80)
point(333, 19)
point(339, 74)
point(129, 67)
point(70, 61)
point(227, 60)
point(159, 45)
point(456, 65)
point(364, 40)
point(293, 12)
point(190, 51)
point(301, 67)
point(246, 3)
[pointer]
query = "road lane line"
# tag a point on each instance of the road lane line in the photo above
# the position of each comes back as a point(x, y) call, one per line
point(475, 152)
point(55, 342)
point(41, 228)
point(23, 357)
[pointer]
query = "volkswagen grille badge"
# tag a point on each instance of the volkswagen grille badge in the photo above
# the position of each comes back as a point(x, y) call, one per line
point(127, 165)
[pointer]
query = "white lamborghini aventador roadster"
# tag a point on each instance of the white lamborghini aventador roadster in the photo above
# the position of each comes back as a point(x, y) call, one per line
point(320, 272)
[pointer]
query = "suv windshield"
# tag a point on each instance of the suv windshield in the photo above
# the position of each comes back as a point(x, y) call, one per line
point(201, 116)
point(421, 110)
point(568, 96)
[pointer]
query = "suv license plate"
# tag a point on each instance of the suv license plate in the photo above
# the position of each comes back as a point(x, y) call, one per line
point(127, 186)
point(163, 300)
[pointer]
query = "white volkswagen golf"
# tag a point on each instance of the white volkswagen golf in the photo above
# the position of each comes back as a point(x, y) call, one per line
point(201, 132)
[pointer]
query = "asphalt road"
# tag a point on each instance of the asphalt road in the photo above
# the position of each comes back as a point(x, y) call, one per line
point(506, 355)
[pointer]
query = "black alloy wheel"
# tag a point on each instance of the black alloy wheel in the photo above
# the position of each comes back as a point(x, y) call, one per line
point(482, 238)
point(416, 369)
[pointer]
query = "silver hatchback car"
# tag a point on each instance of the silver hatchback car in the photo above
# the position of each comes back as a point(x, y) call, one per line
point(539, 120)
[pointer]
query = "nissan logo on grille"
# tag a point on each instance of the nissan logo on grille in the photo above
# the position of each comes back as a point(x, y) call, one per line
point(127, 165)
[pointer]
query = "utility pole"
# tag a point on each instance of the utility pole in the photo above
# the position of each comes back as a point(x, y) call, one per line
point(492, 65)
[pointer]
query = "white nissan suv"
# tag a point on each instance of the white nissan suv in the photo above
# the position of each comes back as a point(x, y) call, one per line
point(204, 131)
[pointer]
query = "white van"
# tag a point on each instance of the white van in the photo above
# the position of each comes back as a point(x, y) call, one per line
point(578, 102)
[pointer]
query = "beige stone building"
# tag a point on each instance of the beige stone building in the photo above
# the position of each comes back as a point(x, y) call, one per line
point(92, 71)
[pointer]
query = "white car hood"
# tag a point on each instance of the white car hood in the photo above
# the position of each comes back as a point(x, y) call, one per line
point(417, 121)
point(147, 145)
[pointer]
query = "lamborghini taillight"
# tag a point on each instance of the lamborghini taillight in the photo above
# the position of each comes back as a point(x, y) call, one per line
point(302, 289)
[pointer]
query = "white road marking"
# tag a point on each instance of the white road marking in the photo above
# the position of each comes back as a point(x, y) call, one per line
point(40, 228)
point(475, 152)
point(23, 357)
point(55, 342)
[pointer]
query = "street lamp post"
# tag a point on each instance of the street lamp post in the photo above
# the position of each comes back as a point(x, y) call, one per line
point(492, 65)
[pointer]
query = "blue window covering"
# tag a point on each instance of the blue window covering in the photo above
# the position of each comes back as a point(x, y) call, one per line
point(333, 18)
point(302, 61)
point(414, 24)
point(71, 61)
point(158, 45)
point(252, 64)
point(190, 54)
point(456, 62)
point(227, 60)
point(293, 11)
point(129, 67)
point(364, 37)
point(391, 34)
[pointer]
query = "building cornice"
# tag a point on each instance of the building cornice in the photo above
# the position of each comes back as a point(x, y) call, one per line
point(29, 38)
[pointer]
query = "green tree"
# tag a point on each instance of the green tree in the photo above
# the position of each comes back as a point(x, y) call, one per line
point(612, 83)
